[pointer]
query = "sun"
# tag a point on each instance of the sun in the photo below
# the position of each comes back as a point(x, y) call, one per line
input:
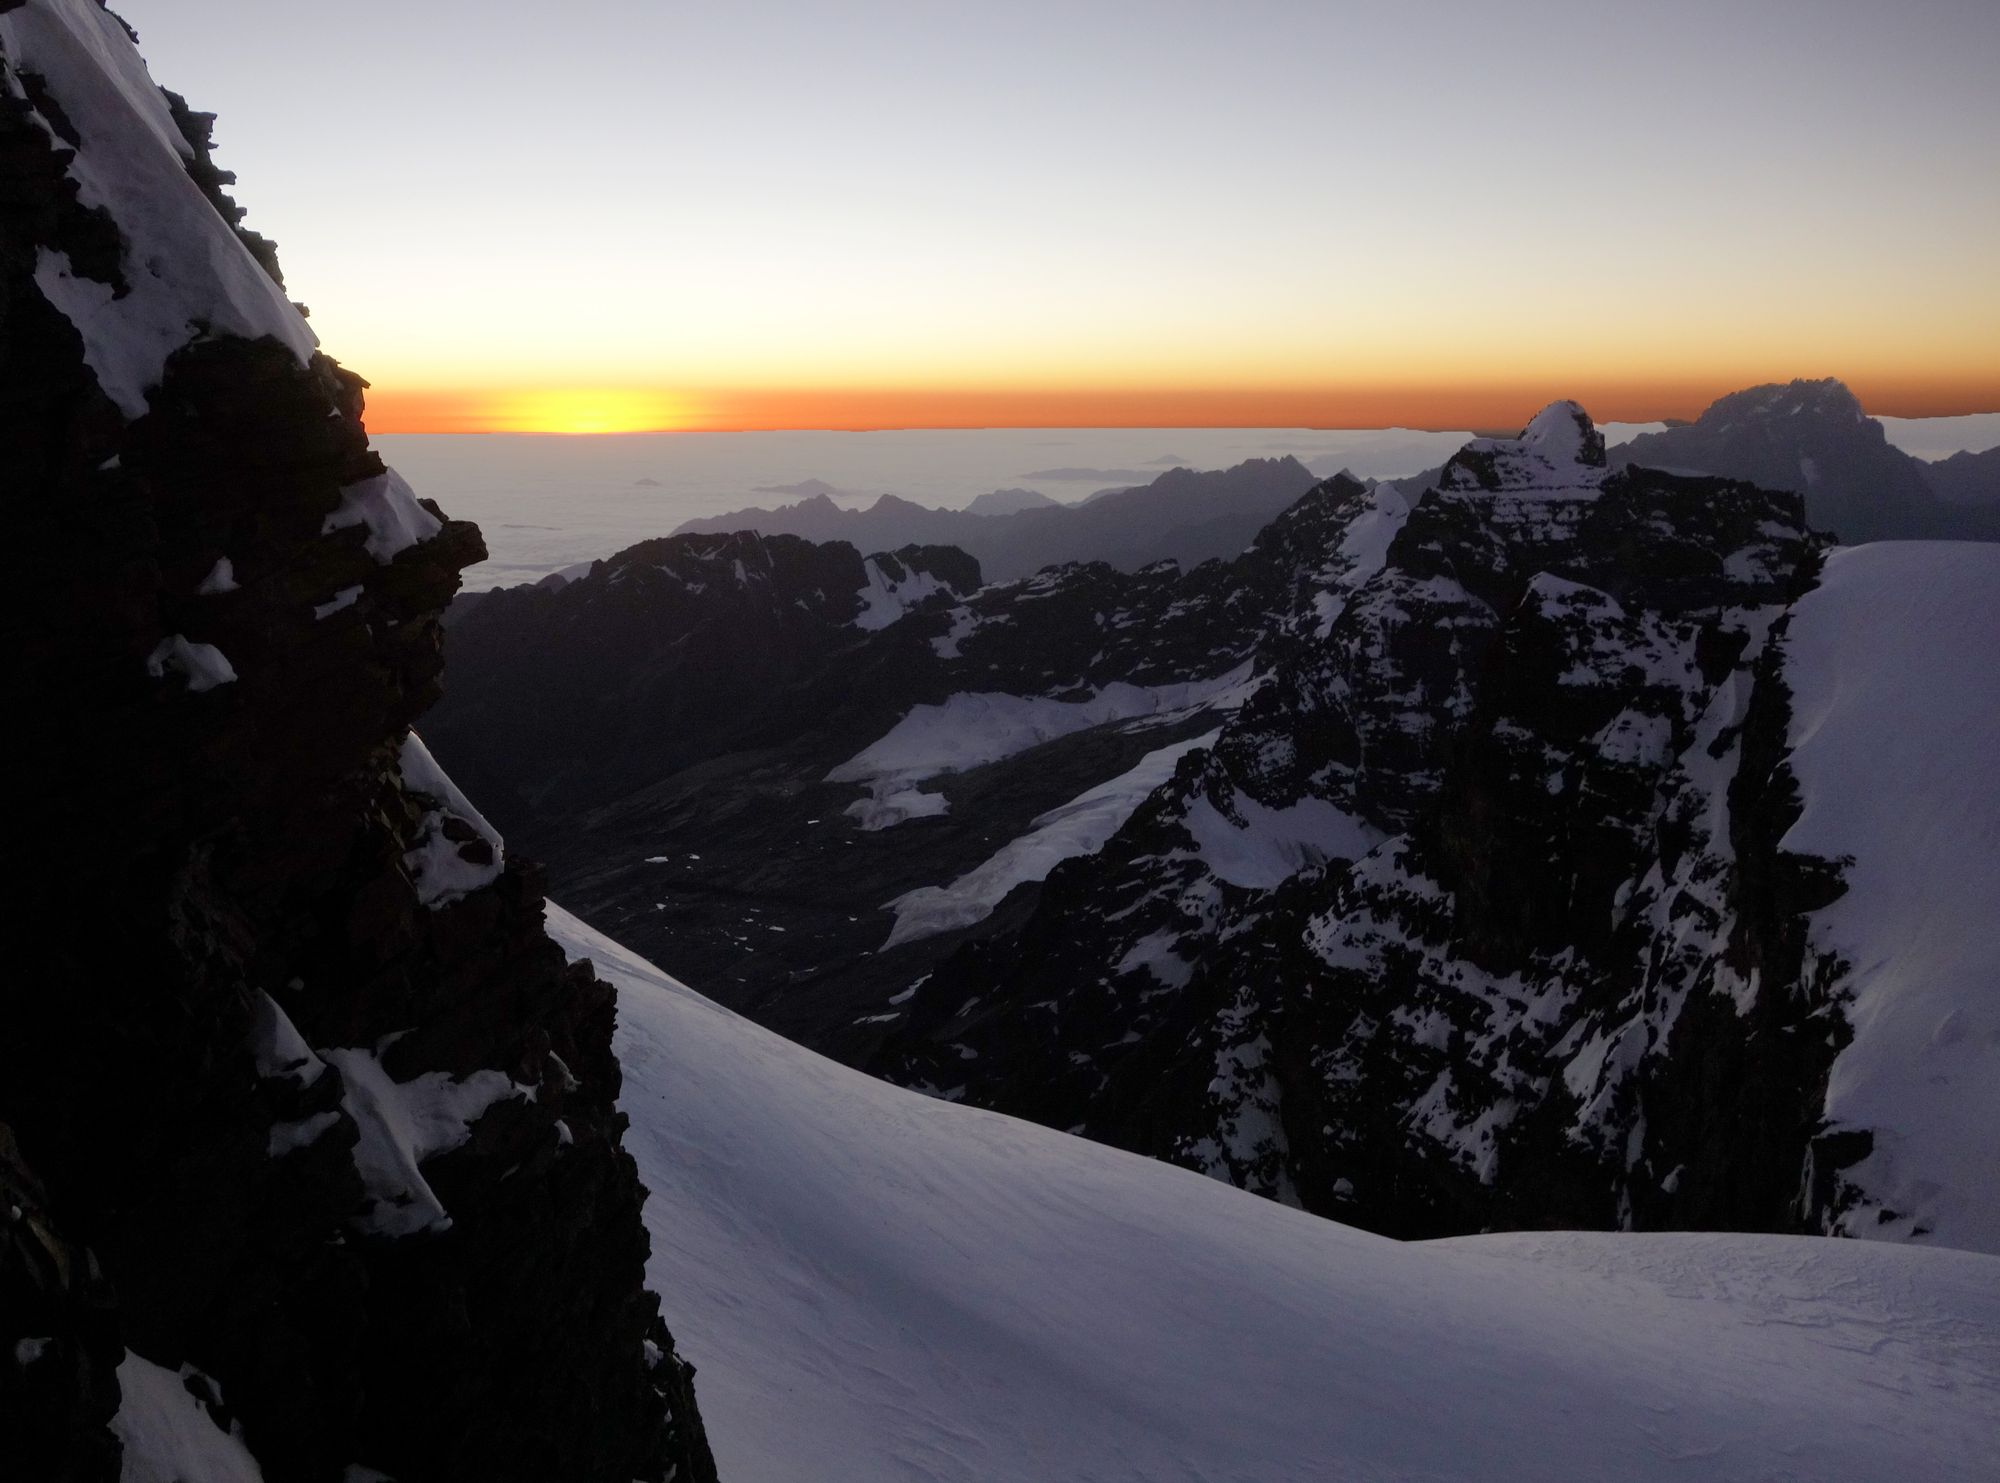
point(584, 411)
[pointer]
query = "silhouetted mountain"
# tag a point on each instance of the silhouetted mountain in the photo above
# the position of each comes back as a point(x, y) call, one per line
point(1811, 437)
point(1966, 478)
point(1010, 502)
point(1183, 515)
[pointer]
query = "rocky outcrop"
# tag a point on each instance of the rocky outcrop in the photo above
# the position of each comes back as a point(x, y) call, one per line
point(302, 1100)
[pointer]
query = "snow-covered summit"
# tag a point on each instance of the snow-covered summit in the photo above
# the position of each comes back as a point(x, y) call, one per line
point(1560, 451)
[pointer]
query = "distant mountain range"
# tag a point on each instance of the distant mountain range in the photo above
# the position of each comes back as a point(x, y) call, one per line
point(1805, 437)
point(1183, 515)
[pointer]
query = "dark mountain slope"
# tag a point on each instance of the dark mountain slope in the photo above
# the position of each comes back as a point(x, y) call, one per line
point(1967, 478)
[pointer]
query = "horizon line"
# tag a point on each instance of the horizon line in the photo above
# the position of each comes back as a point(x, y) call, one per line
point(585, 411)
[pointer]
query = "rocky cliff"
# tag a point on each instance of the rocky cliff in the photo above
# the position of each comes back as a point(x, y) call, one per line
point(311, 1149)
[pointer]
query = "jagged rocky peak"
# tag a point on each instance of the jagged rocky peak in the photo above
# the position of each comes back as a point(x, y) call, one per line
point(1814, 437)
point(313, 1134)
point(1560, 449)
point(1827, 398)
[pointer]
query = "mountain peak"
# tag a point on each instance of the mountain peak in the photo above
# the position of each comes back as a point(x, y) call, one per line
point(1560, 450)
point(1563, 432)
point(1828, 397)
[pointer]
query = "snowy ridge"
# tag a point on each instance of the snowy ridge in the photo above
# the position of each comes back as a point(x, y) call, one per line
point(878, 1285)
point(186, 273)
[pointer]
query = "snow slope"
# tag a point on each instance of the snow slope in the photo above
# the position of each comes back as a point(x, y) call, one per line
point(1894, 666)
point(877, 1286)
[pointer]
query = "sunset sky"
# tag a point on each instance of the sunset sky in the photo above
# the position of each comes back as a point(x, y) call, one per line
point(617, 214)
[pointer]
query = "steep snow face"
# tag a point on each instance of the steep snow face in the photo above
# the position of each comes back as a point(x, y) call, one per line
point(878, 1285)
point(186, 273)
point(1891, 661)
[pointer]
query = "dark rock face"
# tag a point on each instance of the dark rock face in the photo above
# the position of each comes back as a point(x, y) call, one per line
point(1811, 437)
point(1967, 479)
point(262, 936)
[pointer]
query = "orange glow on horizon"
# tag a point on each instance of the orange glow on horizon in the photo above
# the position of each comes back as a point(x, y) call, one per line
point(571, 411)
point(1485, 406)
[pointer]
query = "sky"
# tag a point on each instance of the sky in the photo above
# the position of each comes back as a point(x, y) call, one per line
point(576, 215)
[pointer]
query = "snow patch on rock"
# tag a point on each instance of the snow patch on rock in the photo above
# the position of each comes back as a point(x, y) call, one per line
point(168, 1435)
point(885, 598)
point(457, 850)
point(404, 1123)
point(187, 273)
point(389, 508)
point(203, 666)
